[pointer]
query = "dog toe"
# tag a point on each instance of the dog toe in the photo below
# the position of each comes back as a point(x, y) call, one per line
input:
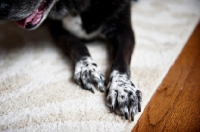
point(99, 80)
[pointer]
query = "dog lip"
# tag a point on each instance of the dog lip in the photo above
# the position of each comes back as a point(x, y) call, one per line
point(35, 17)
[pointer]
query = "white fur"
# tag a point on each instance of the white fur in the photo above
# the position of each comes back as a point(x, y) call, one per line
point(74, 25)
point(115, 81)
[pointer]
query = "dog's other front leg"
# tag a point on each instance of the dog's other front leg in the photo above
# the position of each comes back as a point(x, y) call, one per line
point(122, 95)
point(86, 73)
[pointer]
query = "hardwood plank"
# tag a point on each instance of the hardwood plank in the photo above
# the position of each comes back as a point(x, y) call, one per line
point(157, 112)
point(186, 112)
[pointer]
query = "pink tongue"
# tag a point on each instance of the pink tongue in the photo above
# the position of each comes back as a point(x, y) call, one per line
point(34, 18)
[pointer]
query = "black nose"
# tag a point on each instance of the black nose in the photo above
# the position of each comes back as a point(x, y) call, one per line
point(4, 9)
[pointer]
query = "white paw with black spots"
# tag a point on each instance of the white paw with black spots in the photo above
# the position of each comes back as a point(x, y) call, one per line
point(88, 76)
point(122, 96)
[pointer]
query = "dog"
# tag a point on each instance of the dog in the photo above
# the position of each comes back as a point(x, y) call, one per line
point(74, 20)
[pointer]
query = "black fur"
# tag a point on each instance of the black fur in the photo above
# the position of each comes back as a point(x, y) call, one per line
point(114, 18)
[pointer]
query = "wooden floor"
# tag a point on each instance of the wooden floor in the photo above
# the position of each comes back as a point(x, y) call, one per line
point(175, 106)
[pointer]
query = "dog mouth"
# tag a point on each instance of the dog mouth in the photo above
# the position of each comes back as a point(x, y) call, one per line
point(35, 18)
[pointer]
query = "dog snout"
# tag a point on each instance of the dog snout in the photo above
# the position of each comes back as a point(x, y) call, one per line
point(17, 9)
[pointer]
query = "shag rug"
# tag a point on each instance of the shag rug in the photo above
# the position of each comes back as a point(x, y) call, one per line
point(36, 88)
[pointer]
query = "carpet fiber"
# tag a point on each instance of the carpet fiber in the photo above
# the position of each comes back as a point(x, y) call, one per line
point(36, 88)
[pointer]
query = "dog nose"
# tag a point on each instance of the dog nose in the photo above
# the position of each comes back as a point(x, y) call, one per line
point(4, 9)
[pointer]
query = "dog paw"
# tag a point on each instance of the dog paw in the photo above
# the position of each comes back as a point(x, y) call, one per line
point(122, 96)
point(88, 76)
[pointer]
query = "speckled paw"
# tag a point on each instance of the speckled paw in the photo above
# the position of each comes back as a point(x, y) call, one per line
point(88, 76)
point(122, 96)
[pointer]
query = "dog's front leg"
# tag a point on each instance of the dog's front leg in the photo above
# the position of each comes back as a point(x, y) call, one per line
point(86, 73)
point(122, 95)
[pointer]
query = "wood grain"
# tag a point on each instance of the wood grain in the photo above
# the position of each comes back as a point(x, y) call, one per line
point(175, 106)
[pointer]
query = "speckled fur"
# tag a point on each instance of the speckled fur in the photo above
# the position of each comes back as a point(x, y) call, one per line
point(87, 74)
point(122, 95)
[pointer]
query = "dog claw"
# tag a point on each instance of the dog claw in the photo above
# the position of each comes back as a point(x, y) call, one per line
point(100, 86)
point(132, 116)
point(92, 91)
point(102, 90)
point(126, 115)
point(139, 107)
point(112, 108)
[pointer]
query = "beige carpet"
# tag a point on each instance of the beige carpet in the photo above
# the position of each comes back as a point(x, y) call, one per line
point(36, 91)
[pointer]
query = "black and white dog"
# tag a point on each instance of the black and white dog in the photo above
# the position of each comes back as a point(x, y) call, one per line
point(75, 20)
